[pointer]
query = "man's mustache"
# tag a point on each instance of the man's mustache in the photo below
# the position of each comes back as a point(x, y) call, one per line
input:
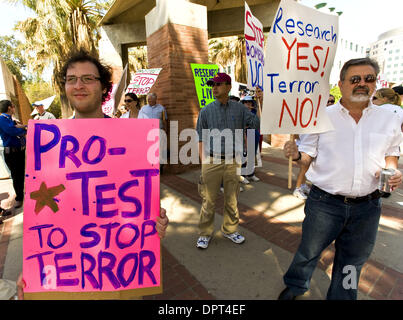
point(361, 88)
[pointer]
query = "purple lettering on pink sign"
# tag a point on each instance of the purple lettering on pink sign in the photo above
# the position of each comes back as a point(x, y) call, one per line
point(42, 226)
point(41, 264)
point(121, 269)
point(38, 148)
point(96, 238)
point(147, 174)
point(122, 196)
point(123, 245)
point(69, 153)
point(108, 227)
point(85, 176)
point(146, 268)
point(101, 153)
point(65, 269)
point(116, 151)
point(107, 269)
point(88, 273)
point(101, 201)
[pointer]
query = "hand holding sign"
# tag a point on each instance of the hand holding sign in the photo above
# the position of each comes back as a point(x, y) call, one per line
point(96, 225)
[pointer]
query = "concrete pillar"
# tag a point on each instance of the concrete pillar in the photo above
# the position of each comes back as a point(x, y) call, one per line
point(176, 37)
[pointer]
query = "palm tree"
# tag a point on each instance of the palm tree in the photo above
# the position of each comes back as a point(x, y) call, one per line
point(59, 26)
point(137, 58)
point(228, 50)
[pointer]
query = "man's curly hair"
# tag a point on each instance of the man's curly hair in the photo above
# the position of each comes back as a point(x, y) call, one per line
point(105, 71)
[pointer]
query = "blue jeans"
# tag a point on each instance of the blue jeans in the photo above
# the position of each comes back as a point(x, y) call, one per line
point(353, 226)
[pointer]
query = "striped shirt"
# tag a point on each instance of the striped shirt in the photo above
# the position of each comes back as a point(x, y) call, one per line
point(229, 120)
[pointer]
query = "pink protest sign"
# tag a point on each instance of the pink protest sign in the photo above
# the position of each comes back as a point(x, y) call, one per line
point(91, 202)
point(143, 80)
point(300, 51)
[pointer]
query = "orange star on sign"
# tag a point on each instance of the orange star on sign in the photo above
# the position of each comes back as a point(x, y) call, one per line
point(45, 197)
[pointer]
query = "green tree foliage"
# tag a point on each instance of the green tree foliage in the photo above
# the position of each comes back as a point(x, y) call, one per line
point(58, 27)
point(11, 53)
point(331, 9)
point(37, 89)
point(229, 50)
point(137, 58)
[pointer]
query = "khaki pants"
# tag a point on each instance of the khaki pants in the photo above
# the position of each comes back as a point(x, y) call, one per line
point(209, 186)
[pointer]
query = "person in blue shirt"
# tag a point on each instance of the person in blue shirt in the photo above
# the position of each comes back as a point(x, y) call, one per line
point(13, 136)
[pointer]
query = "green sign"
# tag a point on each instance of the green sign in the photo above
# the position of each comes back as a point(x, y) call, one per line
point(202, 73)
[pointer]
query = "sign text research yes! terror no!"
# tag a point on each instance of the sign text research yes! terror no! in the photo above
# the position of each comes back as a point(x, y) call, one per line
point(300, 50)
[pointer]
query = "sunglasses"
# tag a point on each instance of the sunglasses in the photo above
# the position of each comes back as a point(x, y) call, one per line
point(128, 100)
point(330, 101)
point(369, 78)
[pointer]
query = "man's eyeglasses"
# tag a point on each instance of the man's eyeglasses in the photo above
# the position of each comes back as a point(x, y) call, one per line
point(86, 79)
point(128, 100)
point(330, 101)
point(369, 78)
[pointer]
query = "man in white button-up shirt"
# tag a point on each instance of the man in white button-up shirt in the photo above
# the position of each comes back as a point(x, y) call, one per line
point(344, 203)
point(153, 110)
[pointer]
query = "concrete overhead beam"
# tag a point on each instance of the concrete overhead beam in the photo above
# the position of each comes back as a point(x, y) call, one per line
point(229, 22)
point(179, 12)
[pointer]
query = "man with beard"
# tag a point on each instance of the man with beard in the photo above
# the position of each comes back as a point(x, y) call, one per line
point(87, 83)
point(344, 164)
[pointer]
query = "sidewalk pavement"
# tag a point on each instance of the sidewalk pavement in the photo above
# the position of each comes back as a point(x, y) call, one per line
point(271, 221)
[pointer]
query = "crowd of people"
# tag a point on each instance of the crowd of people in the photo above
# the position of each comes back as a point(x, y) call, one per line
point(343, 202)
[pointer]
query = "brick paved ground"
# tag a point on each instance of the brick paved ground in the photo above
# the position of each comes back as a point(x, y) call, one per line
point(377, 280)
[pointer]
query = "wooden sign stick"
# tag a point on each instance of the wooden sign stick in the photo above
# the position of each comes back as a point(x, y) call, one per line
point(290, 166)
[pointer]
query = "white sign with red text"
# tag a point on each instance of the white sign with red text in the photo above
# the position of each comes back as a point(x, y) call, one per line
point(143, 80)
point(300, 51)
point(254, 42)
